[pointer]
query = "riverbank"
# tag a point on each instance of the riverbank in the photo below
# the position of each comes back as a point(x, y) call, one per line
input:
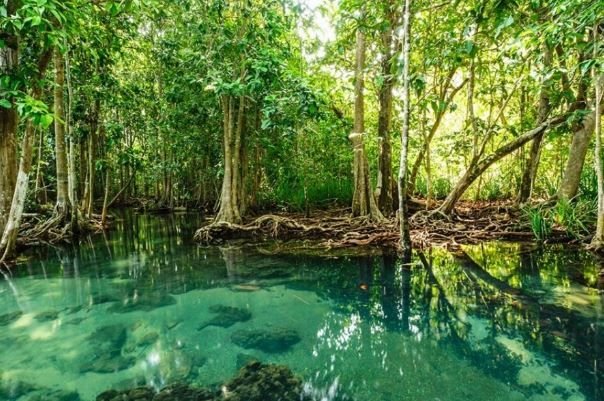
point(472, 223)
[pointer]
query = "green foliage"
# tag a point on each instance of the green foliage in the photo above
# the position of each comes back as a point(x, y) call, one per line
point(540, 223)
point(574, 218)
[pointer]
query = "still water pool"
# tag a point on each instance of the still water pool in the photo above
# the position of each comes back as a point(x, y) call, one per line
point(144, 305)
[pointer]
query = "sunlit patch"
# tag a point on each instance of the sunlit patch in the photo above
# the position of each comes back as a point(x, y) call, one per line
point(23, 321)
point(153, 358)
point(42, 333)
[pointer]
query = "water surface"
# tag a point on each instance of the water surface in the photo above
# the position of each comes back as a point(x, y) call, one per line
point(144, 305)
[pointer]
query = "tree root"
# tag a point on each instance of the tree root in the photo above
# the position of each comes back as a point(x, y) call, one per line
point(332, 230)
point(58, 228)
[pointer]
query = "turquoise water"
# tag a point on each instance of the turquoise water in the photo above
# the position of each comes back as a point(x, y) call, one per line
point(144, 305)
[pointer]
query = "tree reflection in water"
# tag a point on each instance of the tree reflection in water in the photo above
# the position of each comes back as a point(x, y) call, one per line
point(530, 318)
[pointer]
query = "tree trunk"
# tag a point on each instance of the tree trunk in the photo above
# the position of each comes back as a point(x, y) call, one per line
point(63, 206)
point(576, 158)
point(9, 236)
point(403, 167)
point(477, 167)
point(105, 199)
point(384, 180)
point(40, 191)
point(598, 240)
point(94, 127)
point(229, 210)
point(530, 170)
point(9, 119)
point(363, 201)
point(72, 180)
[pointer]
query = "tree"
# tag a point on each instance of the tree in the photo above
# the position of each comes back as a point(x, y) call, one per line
point(363, 201)
point(403, 209)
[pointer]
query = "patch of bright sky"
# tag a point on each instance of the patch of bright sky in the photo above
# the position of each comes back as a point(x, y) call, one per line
point(317, 26)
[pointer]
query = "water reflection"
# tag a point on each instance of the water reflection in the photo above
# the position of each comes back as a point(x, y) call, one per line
point(497, 322)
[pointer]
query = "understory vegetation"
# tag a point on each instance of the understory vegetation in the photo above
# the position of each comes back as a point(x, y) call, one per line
point(245, 107)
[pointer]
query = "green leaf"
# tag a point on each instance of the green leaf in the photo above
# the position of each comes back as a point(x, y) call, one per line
point(5, 103)
point(46, 120)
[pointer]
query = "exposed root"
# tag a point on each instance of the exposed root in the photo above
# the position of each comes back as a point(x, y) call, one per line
point(57, 228)
point(336, 231)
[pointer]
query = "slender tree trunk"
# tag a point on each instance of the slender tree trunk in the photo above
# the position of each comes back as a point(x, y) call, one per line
point(72, 155)
point(62, 206)
point(363, 201)
point(89, 206)
point(598, 239)
point(384, 182)
point(477, 167)
point(40, 191)
point(105, 199)
point(530, 170)
point(403, 167)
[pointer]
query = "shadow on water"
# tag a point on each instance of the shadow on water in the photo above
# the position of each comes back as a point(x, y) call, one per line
point(142, 304)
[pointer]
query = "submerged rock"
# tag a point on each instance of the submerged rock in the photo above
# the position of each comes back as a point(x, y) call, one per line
point(173, 392)
point(108, 339)
point(145, 302)
point(264, 382)
point(254, 382)
point(274, 340)
point(47, 316)
point(183, 392)
point(105, 347)
point(53, 395)
point(108, 364)
point(13, 389)
point(10, 317)
point(135, 394)
point(104, 299)
point(148, 339)
point(226, 316)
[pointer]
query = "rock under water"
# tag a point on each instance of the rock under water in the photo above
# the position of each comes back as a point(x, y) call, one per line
point(272, 340)
point(254, 382)
point(226, 316)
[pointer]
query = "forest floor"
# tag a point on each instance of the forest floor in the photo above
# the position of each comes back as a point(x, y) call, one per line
point(472, 223)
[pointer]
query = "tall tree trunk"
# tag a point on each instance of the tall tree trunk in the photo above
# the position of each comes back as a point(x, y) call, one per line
point(403, 167)
point(363, 201)
point(384, 181)
point(598, 77)
point(105, 199)
point(40, 191)
point(9, 119)
point(94, 127)
point(477, 167)
point(229, 210)
point(582, 132)
point(530, 170)
point(72, 180)
point(63, 206)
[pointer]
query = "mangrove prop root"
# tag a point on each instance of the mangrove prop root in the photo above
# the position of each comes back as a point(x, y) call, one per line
point(333, 230)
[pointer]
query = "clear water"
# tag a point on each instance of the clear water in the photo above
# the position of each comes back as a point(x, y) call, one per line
point(125, 308)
